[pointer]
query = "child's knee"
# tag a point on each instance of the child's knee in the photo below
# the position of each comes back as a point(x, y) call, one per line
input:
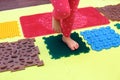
point(61, 13)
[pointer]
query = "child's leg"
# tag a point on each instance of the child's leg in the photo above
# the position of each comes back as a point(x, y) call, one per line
point(64, 12)
point(67, 24)
point(61, 11)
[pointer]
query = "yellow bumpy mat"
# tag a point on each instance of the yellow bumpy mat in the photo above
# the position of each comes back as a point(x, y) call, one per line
point(9, 29)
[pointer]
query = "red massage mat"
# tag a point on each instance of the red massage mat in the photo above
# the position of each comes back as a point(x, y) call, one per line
point(40, 24)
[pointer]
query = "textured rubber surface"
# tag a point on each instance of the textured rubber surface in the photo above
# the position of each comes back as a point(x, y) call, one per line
point(102, 38)
point(13, 4)
point(40, 24)
point(18, 55)
point(112, 12)
point(57, 48)
point(9, 30)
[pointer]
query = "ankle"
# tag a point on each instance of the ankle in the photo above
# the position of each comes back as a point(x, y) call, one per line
point(56, 20)
point(64, 37)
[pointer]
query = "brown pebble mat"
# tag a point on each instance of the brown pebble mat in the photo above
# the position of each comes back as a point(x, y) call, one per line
point(111, 11)
point(13, 4)
point(18, 55)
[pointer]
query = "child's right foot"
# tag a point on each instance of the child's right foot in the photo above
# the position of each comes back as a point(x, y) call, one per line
point(56, 25)
point(73, 45)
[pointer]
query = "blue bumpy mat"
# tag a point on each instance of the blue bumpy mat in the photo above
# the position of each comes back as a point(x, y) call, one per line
point(102, 38)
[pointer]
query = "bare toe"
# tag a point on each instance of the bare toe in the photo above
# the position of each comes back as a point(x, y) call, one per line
point(73, 45)
point(76, 45)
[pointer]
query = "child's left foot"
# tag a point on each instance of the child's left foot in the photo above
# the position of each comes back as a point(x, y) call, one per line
point(73, 45)
point(56, 25)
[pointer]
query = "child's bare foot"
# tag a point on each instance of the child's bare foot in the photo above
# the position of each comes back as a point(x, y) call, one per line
point(73, 45)
point(56, 25)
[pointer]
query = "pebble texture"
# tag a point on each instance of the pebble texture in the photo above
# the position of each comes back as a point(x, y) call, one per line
point(18, 55)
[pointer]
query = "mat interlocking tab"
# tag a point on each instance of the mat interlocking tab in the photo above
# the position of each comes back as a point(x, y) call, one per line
point(117, 25)
point(9, 30)
point(57, 48)
point(102, 38)
point(18, 55)
point(111, 11)
point(41, 24)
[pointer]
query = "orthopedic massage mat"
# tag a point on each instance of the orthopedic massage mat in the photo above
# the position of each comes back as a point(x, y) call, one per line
point(57, 48)
point(102, 38)
point(18, 55)
point(40, 24)
point(9, 30)
point(111, 11)
point(13, 4)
